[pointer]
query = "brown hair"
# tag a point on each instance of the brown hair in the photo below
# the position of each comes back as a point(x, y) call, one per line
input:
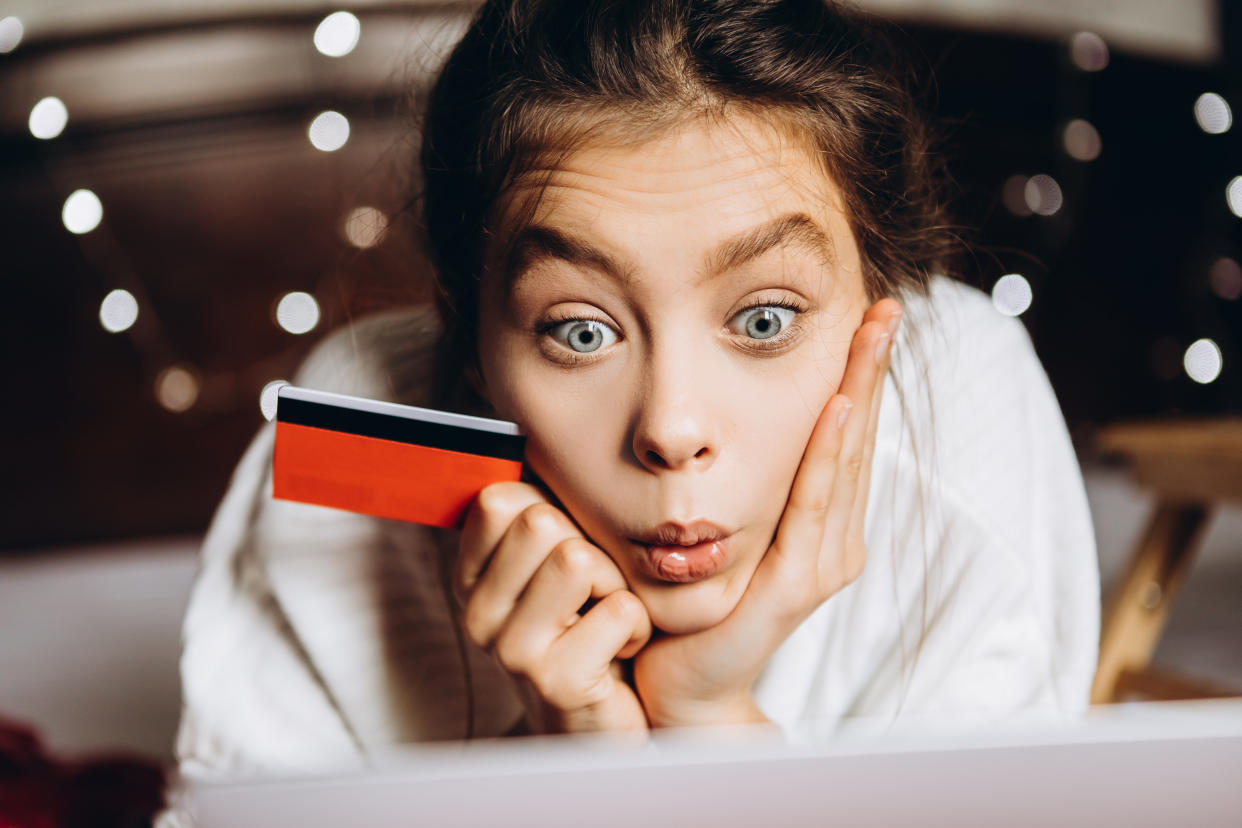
point(532, 75)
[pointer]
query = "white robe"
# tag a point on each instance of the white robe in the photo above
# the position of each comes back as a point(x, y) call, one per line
point(316, 637)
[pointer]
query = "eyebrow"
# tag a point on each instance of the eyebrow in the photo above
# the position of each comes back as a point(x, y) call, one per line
point(538, 242)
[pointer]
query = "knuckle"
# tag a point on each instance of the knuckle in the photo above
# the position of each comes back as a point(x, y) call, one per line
point(573, 557)
point(514, 655)
point(494, 499)
point(853, 466)
point(540, 518)
point(624, 605)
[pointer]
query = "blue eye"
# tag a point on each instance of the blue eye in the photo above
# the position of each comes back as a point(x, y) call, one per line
point(583, 335)
point(762, 322)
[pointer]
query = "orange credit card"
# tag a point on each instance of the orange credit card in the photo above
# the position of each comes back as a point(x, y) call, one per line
point(388, 460)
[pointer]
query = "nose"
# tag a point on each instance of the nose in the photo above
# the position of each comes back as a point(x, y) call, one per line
point(676, 427)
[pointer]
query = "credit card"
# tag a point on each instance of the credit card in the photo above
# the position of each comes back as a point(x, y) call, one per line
point(388, 460)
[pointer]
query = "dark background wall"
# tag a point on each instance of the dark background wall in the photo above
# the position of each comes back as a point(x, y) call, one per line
point(193, 134)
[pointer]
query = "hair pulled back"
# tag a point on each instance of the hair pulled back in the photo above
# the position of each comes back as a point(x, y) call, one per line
point(530, 75)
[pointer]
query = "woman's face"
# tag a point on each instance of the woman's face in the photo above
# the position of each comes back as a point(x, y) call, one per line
point(666, 332)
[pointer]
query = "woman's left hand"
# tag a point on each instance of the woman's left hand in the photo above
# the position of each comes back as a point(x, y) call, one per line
point(706, 677)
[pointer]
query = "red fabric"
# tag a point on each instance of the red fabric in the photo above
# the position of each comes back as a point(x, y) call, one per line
point(38, 791)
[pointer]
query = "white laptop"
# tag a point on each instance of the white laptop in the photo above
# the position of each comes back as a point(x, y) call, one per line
point(1166, 764)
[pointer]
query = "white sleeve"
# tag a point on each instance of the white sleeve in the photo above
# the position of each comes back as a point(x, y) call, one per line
point(980, 597)
point(319, 637)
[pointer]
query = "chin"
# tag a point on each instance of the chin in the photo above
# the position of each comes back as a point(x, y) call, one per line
point(687, 608)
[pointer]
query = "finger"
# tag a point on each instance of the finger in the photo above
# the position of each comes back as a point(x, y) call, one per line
point(575, 571)
point(863, 373)
point(802, 523)
point(530, 539)
point(854, 533)
point(617, 627)
point(487, 521)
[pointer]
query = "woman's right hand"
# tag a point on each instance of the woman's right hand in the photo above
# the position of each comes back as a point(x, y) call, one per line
point(523, 573)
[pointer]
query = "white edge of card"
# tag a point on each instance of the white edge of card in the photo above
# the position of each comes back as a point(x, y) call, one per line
point(410, 412)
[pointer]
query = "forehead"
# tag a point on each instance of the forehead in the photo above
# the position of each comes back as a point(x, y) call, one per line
point(710, 176)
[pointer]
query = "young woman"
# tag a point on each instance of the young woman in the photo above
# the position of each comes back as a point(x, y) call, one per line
point(781, 471)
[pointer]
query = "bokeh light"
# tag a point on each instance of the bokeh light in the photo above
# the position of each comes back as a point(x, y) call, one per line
point(1203, 361)
point(1014, 195)
point(1042, 194)
point(82, 212)
point(1089, 51)
point(337, 34)
point(297, 312)
point(1012, 294)
point(11, 31)
point(1233, 195)
point(176, 388)
point(1226, 278)
point(364, 226)
point(1212, 113)
point(118, 311)
point(1081, 140)
point(329, 131)
point(268, 397)
point(48, 118)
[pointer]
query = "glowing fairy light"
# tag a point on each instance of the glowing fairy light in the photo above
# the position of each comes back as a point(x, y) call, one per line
point(1081, 140)
point(118, 311)
point(48, 118)
point(268, 397)
point(1213, 114)
point(337, 34)
point(364, 227)
point(1089, 51)
point(1013, 194)
point(1043, 195)
point(297, 312)
point(1233, 195)
point(1203, 361)
point(1226, 278)
point(82, 212)
point(329, 131)
point(177, 388)
point(11, 31)
point(1012, 295)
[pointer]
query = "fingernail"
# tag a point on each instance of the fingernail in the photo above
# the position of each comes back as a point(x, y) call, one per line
point(893, 322)
point(845, 414)
point(881, 347)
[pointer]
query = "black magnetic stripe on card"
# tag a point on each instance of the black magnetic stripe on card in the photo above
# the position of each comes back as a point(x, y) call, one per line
point(401, 429)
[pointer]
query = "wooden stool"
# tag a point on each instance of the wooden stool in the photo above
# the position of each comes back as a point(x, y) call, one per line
point(1191, 465)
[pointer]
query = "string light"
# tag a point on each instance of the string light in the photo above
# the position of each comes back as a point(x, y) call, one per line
point(297, 312)
point(1081, 140)
point(176, 388)
point(48, 118)
point(1212, 113)
point(329, 131)
point(1042, 194)
point(1089, 51)
point(82, 212)
point(337, 34)
point(268, 397)
point(1233, 195)
point(118, 311)
point(1226, 278)
point(364, 227)
point(1203, 361)
point(1011, 295)
point(1014, 195)
point(11, 31)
